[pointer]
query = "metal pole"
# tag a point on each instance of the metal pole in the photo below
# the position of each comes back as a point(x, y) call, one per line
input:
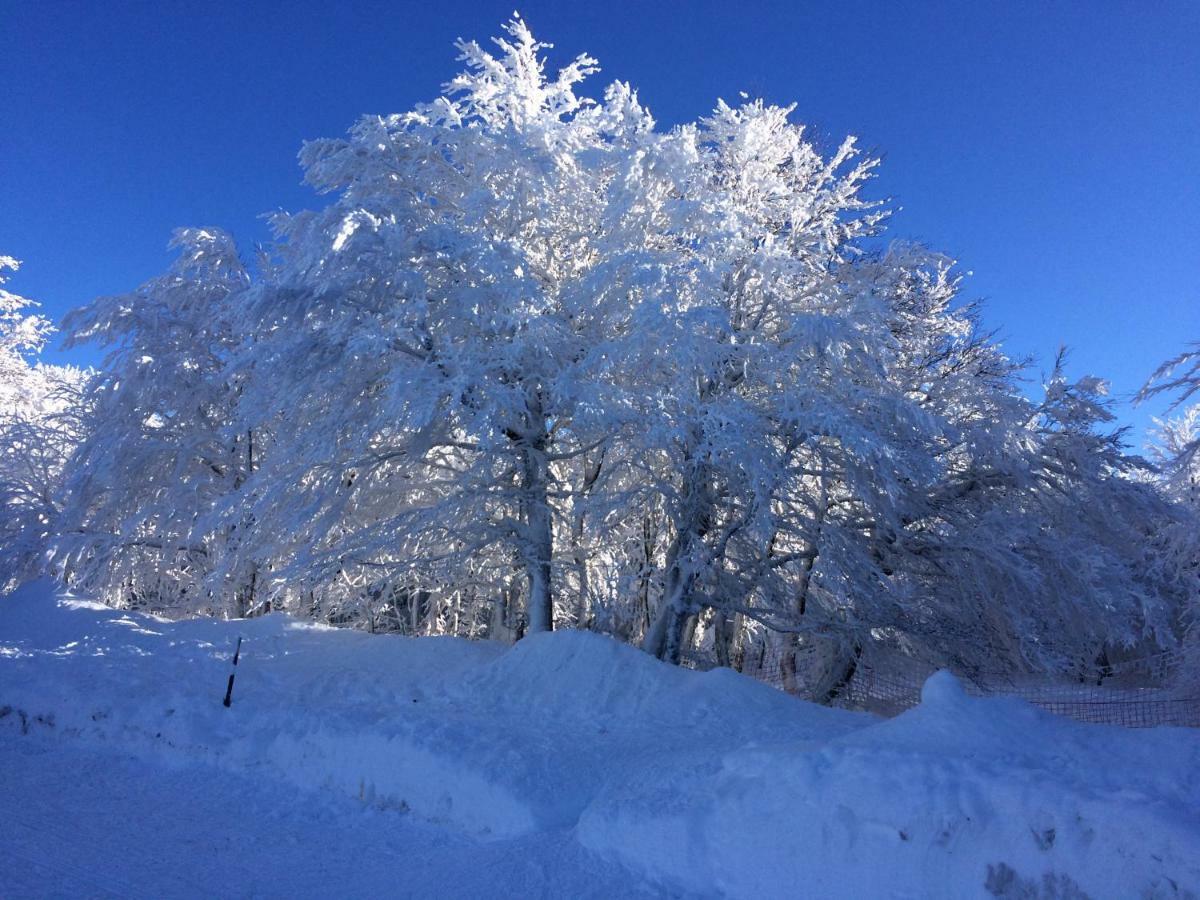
point(229, 689)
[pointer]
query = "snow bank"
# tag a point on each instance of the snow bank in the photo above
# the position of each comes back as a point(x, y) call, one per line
point(958, 797)
point(497, 741)
point(577, 674)
point(315, 705)
point(707, 783)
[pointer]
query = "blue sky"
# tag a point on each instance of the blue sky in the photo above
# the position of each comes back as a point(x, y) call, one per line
point(1053, 148)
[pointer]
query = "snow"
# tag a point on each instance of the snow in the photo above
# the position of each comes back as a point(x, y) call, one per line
point(98, 821)
point(942, 800)
point(570, 764)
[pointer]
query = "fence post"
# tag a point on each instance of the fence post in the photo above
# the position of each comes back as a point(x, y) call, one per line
point(229, 688)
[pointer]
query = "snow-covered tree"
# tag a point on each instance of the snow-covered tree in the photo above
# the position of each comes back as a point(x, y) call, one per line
point(1175, 448)
point(538, 361)
point(1178, 377)
point(1174, 443)
point(39, 427)
point(137, 524)
point(446, 324)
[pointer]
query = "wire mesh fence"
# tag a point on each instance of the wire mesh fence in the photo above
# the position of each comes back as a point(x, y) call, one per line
point(1130, 707)
point(889, 690)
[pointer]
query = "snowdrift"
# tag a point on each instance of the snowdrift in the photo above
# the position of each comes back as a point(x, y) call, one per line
point(708, 783)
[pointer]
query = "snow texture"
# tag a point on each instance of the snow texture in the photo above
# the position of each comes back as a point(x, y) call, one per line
point(569, 751)
point(92, 821)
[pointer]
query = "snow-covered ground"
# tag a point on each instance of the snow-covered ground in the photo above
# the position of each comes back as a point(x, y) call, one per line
point(568, 765)
point(85, 820)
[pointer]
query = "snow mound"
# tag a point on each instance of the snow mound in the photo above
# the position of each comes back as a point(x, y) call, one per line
point(583, 675)
point(698, 782)
point(942, 689)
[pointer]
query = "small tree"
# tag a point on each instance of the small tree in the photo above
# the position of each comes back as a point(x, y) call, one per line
point(1179, 376)
point(159, 452)
point(40, 406)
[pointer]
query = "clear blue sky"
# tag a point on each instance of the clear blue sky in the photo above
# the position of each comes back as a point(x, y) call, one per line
point(1054, 148)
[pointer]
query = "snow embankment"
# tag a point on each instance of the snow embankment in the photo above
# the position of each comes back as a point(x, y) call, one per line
point(958, 797)
point(706, 783)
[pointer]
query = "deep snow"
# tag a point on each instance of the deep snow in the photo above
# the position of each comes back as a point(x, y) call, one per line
point(602, 768)
point(86, 820)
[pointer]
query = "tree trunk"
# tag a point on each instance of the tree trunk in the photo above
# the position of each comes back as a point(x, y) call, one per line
point(785, 648)
point(688, 637)
point(726, 639)
point(537, 565)
point(664, 639)
point(787, 656)
point(498, 628)
point(839, 677)
point(591, 472)
point(539, 532)
point(642, 603)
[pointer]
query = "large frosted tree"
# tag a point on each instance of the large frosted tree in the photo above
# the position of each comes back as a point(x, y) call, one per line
point(539, 361)
point(447, 323)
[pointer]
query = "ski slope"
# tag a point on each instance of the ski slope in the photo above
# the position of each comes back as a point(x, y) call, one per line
point(568, 765)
